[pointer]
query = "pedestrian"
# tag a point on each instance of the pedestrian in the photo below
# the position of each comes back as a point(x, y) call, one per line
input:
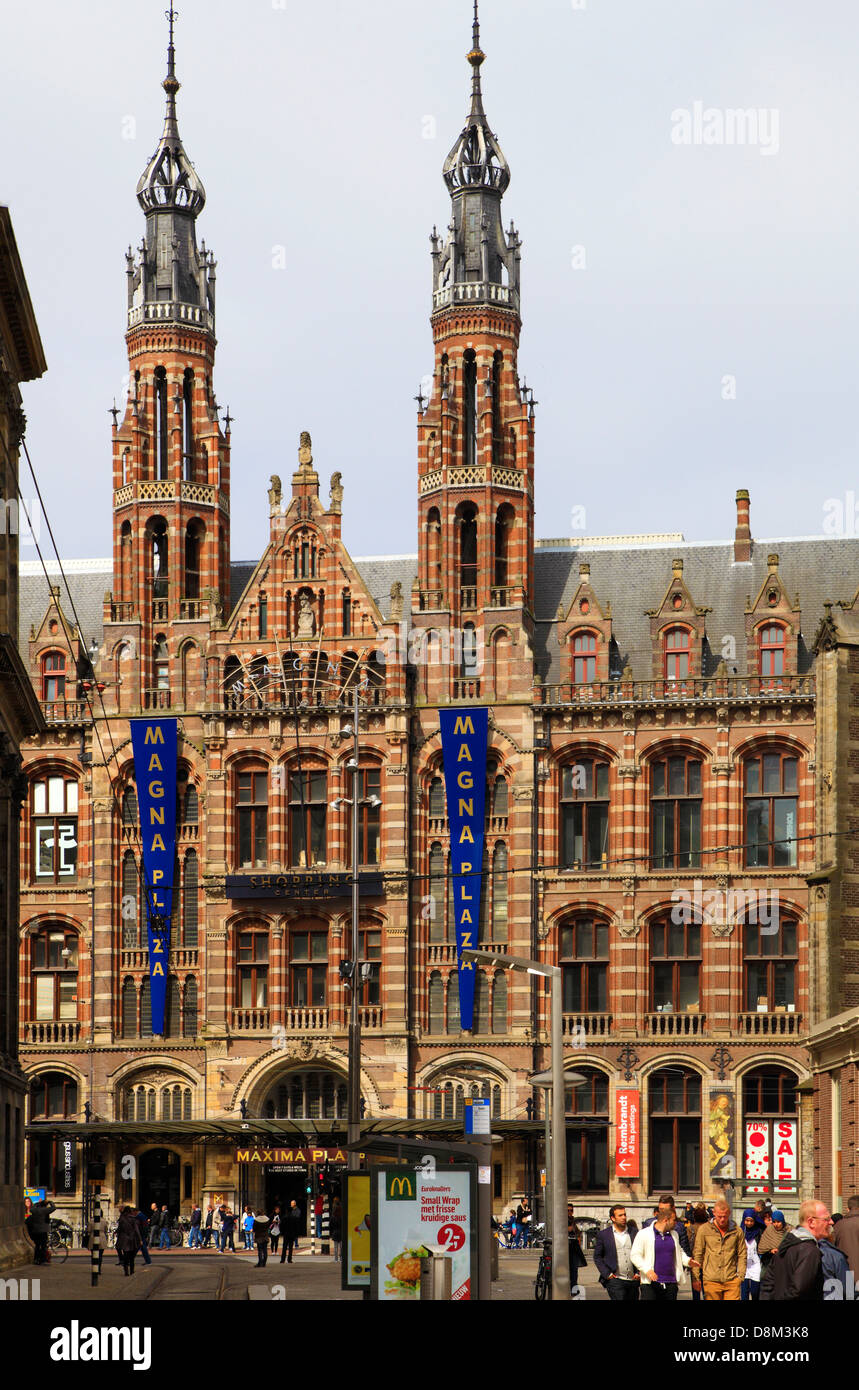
point(194, 1236)
point(206, 1227)
point(219, 1227)
point(143, 1231)
point(796, 1271)
point(720, 1249)
point(164, 1243)
point(227, 1229)
point(154, 1224)
point(655, 1215)
point(290, 1231)
point(40, 1229)
point(101, 1227)
point(753, 1230)
point(318, 1209)
point(578, 1259)
point(771, 1240)
point(846, 1236)
point(700, 1217)
point(275, 1229)
point(260, 1234)
point(127, 1238)
point(335, 1227)
point(657, 1256)
point(613, 1257)
point(835, 1267)
point(248, 1228)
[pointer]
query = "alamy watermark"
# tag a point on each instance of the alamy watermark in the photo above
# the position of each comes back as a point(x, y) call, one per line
point(714, 125)
point(757, 906)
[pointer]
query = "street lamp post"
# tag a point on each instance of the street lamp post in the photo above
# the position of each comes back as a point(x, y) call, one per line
point(354, 1121)
point(560, 1248)
point(544, 1080)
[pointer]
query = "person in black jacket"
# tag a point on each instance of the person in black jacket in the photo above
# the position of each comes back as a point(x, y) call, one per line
point(261, 1233)
point(127, 1239)
point(796, 1271)
point(291, 1230)
point(40, 1229)
point(613, 1257)
point(143, 1228)
point(154, 1223)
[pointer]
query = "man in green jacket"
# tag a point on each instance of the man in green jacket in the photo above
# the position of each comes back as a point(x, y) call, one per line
point(720, 1249)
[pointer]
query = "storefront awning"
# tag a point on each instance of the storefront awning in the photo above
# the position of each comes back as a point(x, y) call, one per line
point(291, 1132)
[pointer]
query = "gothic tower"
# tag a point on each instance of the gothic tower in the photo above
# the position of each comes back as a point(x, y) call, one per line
point(476, 433)
point(171, 460)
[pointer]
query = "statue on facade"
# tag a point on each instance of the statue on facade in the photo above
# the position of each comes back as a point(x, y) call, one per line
point(305, 617)
point(274, 492)
point(336, 492)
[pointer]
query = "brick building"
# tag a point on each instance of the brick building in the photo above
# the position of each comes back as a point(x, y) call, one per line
point(653, 784)
point(21, 359)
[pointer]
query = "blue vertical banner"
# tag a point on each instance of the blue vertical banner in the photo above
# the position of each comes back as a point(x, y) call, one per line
point(464, 743)
point(154, 743)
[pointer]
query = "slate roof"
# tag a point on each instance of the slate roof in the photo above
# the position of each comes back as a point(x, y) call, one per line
point(632, 578)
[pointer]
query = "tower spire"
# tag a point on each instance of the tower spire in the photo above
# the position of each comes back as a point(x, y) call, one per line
point(476, 57)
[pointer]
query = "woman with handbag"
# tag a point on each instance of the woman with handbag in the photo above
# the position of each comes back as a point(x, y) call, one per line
point(578, 1258)
point(274, 1229)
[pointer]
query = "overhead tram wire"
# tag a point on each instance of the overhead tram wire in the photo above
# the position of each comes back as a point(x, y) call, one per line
point(148, 889)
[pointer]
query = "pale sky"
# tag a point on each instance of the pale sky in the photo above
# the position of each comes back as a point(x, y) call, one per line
point(309, 126)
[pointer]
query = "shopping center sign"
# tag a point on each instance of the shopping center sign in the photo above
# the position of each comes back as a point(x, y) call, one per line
point(154, 743)
point(464, 740)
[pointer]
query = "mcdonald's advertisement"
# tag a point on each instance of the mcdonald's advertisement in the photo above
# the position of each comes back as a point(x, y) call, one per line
point(415, 1214)
point(464, 740)
point(154, 743)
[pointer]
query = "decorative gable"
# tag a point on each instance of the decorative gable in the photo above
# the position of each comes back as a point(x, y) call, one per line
point(678, 630)
point(773, 627)
point(585, 634)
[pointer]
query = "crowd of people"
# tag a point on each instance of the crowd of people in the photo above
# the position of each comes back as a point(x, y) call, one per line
point(762, 1257)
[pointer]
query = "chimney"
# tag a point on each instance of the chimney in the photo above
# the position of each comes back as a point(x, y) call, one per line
point(743, 534)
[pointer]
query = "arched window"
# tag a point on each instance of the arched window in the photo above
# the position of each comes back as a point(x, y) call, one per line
point(435, 1011)
point(160, 558)
point(53, 676)
point(54, 816)
point(308, 966)
point(503, 526)
point(369, 816)
point(252, 818)
point(437, 807)
point(497, 421)
point(252, 957)
point(771, 639)
point(454, 1024)
point(125, 562)
point(346, 613)
point(188, 428)
point(584, 961)
point(469, 407)
point(584, 814)
point(161, 659)
point(675, 805)
point(193, 549)
point(771, 959)
point(587, 1142)
point(145, 1009)
point(308, 1095)
point(447, 1096)
point(173, 1009)
point(129, 1008)
point(370, 952)
point(130, 905)
point(675, 966)
point(481, 1002)
point(308, 808)
point(436, 903)
point(499, 894)
point(129, 805)
point(500, 798)
point(584, 658)
point(675, 1130)
point(53, 1096)
point(771, 810)
point(162, 433)
point(470, 665)
point(190, 805)
point(499, 1003)
point(190, 1010)
point(468, 554)
point(676, 653)
point(771, 1131)
point(54, 968)
point(190, 899)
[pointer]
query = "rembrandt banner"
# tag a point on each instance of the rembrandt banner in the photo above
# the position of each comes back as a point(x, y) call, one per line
point(464, 739)
point(626, 1113)
point(154, 742)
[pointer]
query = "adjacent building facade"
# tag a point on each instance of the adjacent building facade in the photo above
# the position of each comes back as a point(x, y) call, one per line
point(21, 359)
point(654, 788)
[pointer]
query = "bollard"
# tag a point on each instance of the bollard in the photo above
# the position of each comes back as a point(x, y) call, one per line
point(95, 1243)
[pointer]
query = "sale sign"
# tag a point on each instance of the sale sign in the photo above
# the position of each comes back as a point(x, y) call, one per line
point(784, 1154)
point(626, 1113)
point(415, 1214)
point(757, 1166)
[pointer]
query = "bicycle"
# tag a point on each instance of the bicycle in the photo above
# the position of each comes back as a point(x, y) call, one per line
point(57, 1242)
point(543, 1282)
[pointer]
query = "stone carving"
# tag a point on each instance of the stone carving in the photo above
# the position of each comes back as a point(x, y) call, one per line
point(305, 617)
point(396, 601)
point(305, 450)
point(721, 928)
point(336, 493)
point(275, 493)
point(628, 929)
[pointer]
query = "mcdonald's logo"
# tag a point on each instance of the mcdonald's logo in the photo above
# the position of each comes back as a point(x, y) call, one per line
point(400, 1187)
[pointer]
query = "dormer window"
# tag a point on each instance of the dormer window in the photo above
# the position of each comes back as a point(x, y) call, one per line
point(584, 658)
point(53, 676)
point(772, 647)
point(677, 653)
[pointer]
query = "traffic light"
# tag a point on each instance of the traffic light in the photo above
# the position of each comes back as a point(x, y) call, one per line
point(347, 970)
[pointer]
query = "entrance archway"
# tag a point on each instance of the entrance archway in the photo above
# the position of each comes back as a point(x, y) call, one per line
point(159, 1179)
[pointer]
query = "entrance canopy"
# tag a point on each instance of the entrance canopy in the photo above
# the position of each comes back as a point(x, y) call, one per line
point(291, 1132)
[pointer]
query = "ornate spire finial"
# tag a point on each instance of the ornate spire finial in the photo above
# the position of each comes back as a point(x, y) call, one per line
point(475, 58)
point(171, 83)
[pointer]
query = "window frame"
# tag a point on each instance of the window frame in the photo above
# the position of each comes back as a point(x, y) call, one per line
point(583, 965)
point(576, 797)
point(256, 968)
point(580, 655)
point(300, 812)
point(676, 960)
point(53, 822)
point(675, 857)
point(59, 974)
point(772, 843)
point(251, 812)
